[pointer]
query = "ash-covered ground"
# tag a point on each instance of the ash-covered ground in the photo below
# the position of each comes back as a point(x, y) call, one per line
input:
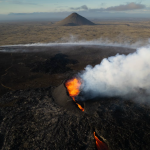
point(37, 113)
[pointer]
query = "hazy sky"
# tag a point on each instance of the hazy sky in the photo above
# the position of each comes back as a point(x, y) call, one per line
point(56, 8)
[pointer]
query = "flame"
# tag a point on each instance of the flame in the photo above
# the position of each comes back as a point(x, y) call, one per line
point(73, 87)
point(99, 144)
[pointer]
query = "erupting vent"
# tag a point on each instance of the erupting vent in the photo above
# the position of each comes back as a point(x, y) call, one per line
point(73, 87)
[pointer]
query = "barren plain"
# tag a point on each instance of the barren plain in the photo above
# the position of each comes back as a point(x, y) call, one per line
point(45, 32)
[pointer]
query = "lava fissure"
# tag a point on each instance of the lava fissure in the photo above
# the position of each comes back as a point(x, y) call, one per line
point(99, 144)
point(73, 87)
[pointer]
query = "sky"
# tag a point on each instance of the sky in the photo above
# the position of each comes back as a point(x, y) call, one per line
point(34, 9)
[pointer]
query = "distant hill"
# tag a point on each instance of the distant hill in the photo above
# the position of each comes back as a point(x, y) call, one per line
point(74, 20)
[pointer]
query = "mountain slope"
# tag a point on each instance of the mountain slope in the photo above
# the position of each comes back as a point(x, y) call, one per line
point(74, 20)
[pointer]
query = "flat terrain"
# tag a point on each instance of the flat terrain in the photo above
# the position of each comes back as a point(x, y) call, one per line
point(37, 67)
point(33, 32)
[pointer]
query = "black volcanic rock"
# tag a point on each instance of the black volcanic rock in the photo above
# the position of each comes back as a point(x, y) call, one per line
point(32, 119)
point(56, 64)
point(74, 20)
point(47, 118)
point(23, 67)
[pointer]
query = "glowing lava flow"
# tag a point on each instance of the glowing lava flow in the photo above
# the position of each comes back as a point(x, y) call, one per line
point(73, 87)
point(99, 144)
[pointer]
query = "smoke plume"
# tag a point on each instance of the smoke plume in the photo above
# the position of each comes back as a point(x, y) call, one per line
point(73, 40)
point(119, 75)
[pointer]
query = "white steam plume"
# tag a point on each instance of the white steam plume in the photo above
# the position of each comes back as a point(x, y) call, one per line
point(119, 75)
point(74, 40)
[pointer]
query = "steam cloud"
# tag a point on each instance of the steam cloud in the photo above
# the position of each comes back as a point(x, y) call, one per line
point(74, 40)
point(120, 75)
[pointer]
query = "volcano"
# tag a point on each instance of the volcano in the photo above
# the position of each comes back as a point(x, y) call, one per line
point(36, 117)
point(74, 20)
point(46, 117)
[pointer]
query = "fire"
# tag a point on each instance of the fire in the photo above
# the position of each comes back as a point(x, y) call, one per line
point(73, 87)
point(99, 144)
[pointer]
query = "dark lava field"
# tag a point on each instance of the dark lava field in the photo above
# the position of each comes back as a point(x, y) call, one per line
point(37, 113)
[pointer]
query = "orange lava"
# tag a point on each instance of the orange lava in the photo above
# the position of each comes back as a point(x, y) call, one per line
point(80, 107)
point(73, 87)
point(99, 144)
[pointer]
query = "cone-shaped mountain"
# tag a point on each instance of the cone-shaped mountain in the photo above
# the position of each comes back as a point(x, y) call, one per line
point(74, 20)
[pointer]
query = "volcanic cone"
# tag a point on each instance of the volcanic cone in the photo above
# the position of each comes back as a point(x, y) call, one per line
point(74, 20)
